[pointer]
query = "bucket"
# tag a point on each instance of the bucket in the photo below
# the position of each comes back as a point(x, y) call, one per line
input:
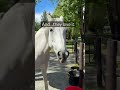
point(74, 76)
point(73, 88)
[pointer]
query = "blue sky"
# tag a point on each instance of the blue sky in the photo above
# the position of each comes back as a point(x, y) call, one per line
point(46, 5)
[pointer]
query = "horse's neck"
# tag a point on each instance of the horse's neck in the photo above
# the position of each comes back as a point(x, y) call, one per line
point(41, 41)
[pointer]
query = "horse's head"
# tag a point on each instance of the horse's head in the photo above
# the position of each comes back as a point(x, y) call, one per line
point(57, 40)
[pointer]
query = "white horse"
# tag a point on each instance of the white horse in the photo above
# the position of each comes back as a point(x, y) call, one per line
point(45, 39)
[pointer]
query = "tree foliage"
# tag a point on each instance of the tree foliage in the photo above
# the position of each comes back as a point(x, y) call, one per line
point(44, 17)
point(36, 1)
point(70, 9)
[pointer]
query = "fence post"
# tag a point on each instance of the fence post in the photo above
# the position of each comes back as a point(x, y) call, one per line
point(98, 61)
point(82, 63)
point(89, 52)
point(76, 51)
point(111, 65)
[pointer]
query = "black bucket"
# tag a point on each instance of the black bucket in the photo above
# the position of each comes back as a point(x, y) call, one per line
point(73, 78)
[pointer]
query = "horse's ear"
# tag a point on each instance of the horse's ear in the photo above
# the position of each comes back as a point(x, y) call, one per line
point(49, 17)
point(61, 17)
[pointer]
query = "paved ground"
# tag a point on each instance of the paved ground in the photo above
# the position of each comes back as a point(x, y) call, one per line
point(57, 74)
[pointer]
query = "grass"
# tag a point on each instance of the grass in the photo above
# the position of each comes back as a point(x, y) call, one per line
point(71, 65)
point(69, 46)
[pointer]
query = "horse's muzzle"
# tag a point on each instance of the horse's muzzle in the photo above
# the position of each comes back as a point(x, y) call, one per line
point(62, 56)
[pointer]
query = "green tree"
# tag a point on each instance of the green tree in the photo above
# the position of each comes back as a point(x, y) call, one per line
point(36, 1)
point(70, 9)
point(44, 17)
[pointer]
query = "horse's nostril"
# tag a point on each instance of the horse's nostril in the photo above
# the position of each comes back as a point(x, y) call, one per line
point(63, 55)
point(59, 53)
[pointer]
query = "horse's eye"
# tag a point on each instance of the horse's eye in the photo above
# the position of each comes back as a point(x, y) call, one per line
point(51, 30)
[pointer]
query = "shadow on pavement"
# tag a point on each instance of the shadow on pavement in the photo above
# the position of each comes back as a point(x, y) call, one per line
point(58, 80)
